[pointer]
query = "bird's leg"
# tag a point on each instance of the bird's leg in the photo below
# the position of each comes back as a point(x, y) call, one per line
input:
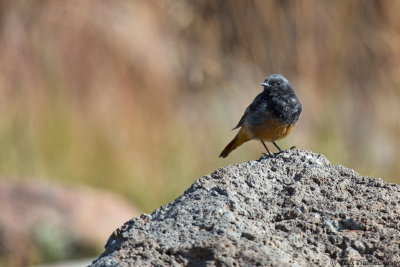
point(269, 153)
point(280, 150)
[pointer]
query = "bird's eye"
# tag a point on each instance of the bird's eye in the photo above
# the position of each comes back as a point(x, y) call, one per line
point(278, 83)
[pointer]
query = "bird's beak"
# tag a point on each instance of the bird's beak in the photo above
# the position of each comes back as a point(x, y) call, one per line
point(264, 84)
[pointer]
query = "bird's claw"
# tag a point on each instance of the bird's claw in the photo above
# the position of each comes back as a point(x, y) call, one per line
point(265, 156)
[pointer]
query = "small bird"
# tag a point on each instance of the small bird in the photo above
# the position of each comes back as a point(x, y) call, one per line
point(272, 115)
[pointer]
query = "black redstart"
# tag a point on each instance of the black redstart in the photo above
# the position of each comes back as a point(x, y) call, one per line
point(271, 116)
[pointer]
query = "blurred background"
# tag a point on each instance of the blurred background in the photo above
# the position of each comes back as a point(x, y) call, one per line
point(136, 99)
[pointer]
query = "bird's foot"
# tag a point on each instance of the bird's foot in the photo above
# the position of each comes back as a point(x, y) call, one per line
point(283, 151)
point(266, 156)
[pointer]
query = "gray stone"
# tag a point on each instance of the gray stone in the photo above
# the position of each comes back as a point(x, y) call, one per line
point(294, 209)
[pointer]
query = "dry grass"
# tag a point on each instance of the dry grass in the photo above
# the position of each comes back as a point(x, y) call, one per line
point(139, 96)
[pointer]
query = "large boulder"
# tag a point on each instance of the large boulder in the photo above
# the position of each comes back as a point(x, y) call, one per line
point(43, 221)
point(294, 209)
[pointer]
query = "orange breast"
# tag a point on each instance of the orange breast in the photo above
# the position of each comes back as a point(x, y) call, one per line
point(272, 130)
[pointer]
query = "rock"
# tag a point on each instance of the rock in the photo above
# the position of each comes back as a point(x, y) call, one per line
point(296, 209)
point(45, 221)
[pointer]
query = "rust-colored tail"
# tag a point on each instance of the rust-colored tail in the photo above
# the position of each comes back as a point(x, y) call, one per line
point(239, 139)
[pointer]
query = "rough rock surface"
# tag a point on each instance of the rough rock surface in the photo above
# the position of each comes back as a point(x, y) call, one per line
point(296, 209)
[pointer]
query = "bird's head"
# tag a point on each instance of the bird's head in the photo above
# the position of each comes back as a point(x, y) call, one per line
point(275, 81)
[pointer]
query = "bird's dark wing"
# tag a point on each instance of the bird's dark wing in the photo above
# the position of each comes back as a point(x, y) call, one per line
point(251, 109)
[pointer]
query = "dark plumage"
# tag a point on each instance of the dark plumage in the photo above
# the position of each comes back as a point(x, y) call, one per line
point(270, 116)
